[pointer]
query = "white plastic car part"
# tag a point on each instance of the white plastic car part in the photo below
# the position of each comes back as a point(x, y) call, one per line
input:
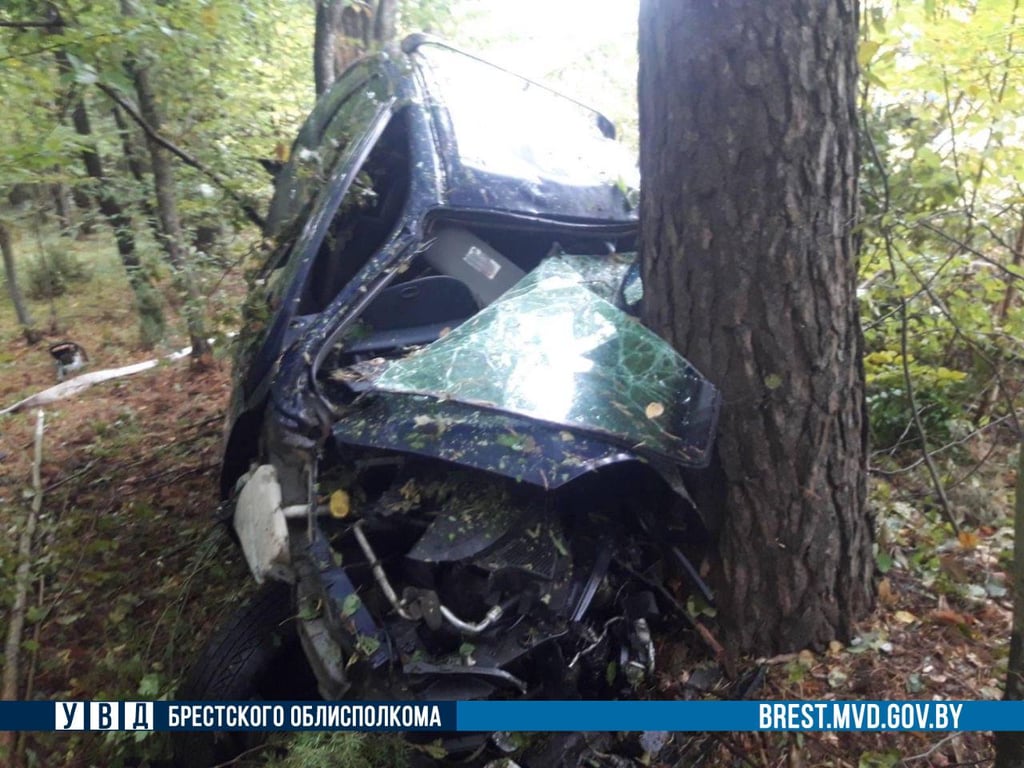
point(261, 526)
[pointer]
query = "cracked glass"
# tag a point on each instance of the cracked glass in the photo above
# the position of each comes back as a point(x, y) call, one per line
point(552, 349)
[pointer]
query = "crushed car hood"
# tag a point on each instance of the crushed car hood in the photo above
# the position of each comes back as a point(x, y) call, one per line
point(580, 379)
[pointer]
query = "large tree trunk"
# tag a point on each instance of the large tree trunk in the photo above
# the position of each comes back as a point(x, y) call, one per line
point(346, 30)
point(749, 168)
point(20, 309)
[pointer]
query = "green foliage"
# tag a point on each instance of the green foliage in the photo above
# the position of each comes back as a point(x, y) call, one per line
point(53, 275)
point(233, 81)
point(944, 216)
point(345, 750)
point(939, 393)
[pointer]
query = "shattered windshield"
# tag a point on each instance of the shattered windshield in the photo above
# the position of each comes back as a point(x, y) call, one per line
point(510, 127)
point(552, 349)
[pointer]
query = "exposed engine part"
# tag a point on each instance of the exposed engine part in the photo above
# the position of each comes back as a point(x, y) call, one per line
point(422, 667)
point(641, 663)
point(596, 641)
point(378, 572)
point(472, 628)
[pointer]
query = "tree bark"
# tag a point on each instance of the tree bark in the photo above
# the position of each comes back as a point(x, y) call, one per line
point(749, 167)
point(28, 328)
point(346, 30)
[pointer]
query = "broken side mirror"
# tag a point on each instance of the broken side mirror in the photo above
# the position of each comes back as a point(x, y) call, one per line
point(630, 294)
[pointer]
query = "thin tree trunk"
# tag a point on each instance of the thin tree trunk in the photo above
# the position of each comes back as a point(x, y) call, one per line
point(749, 167)
point(62, 204)
point(148, 305)
point(385, 21)
point(138, 171)
point(84, 205)
point(170, 234)
point(151, 317)
point(20, 309)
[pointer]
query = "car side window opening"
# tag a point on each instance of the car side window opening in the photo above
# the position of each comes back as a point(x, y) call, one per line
point(341, 116)
point(368, 214)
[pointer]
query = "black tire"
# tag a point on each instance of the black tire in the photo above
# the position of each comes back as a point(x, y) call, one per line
point(255, 654)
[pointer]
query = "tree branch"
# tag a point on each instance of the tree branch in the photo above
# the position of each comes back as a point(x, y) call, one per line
point(23, 576)
point(940, 492)
point(25, 24)
point(131, 110)
point(973, 251)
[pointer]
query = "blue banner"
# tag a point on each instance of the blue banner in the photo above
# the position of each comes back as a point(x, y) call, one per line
point(740, 715)
point(513, 716)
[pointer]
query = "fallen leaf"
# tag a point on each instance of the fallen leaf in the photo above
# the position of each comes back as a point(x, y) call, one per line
point(948, 617)
point(904, 617)
point(885, 593)
point(836, 677)
point(968, 539)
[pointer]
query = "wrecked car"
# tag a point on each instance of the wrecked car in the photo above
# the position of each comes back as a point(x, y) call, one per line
point(454, 456)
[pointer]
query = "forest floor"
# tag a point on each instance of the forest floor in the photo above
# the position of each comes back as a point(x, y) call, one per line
point(131, 572)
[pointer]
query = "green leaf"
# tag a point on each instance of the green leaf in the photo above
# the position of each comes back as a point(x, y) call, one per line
point(866, 52)
point(34, 614)
point(367, 645)
point(149, 686)
point(434, 750)
point(351, 604)
point(884, 561)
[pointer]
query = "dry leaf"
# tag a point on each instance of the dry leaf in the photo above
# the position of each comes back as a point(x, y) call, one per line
point(968, 539)
point(949, 617)
point(885, 594)
point(904, 617)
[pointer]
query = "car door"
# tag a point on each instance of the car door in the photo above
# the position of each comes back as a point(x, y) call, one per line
point(309, 190)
